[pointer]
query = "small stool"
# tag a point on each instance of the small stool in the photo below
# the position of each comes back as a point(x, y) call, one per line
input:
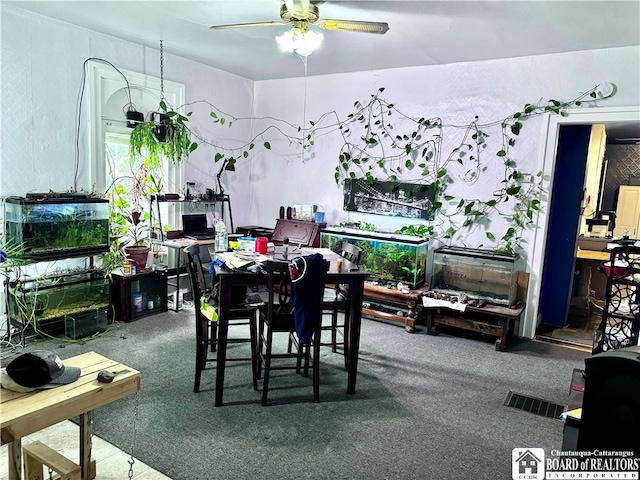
point(37, 455)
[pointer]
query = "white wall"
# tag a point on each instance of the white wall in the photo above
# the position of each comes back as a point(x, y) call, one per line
point(42, 66)
point(42, 72)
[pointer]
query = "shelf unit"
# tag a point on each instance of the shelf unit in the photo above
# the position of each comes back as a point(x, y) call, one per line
point(151, 283)
point(156, 217)
point(620, 324)
point(178, 267)
point(50, 228)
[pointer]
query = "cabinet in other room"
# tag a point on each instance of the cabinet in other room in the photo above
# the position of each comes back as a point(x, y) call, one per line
point(628, 211)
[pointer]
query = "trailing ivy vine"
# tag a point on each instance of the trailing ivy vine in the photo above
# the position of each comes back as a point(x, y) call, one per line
point(381, 143)
point(375, 150)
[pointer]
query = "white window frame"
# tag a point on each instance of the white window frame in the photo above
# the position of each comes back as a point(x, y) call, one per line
point(104, 84)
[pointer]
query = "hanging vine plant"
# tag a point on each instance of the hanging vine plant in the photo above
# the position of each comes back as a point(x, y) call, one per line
point(172, 128)
point(374, 149)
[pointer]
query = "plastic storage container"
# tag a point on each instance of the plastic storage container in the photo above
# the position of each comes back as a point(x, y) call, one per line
point(85, 324)
point(480, 274)
point(386, 256)
point(56, 227)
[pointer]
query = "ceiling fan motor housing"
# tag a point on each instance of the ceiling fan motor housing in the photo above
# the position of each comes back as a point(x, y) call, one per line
point(311, 16)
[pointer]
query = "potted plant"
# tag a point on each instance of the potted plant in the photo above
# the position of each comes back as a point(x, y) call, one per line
point(129, 222)
point(165, 134)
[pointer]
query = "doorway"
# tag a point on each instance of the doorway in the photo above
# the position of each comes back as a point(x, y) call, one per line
point(571, 294)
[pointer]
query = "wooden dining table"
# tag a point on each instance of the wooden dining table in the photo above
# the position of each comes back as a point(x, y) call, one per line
point(348, 274)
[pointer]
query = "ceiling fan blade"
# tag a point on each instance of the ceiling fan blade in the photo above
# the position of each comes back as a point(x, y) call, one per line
point(354, 26)
point(239, 25)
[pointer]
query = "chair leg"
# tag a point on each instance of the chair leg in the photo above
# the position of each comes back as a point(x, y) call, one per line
point(260, 346)
point(254, 354)
point(267, 366)
point(316, 367)
point(201, 354)
point(214, 336)
point(345, 342)
point(334, 327)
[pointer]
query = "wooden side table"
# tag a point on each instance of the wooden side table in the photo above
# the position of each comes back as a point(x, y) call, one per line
point(393, 297)
point(26, 413)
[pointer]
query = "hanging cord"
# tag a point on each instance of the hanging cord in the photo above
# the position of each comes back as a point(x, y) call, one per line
point(82, 85)
point(161, 71)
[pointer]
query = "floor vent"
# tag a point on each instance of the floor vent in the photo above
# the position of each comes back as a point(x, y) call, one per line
point(534, 405)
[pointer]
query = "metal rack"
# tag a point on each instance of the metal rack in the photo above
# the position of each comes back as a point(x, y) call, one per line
point(179, 267)
point(620, 325)
point(156, 200)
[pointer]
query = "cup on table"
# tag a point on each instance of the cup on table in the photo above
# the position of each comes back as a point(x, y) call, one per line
point(261, 245)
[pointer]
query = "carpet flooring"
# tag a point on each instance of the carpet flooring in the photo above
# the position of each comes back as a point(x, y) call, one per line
point(426, 407)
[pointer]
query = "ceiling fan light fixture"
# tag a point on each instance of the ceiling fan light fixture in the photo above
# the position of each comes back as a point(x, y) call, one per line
point(299, 40)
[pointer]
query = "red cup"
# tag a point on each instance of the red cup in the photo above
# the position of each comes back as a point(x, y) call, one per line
point(261, 245)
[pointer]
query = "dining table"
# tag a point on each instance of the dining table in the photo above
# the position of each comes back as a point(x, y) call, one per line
point(341, 271)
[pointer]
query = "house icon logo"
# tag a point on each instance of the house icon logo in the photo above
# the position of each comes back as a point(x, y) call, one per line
point(527, 464)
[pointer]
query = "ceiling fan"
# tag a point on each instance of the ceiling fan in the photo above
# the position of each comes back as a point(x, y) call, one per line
point(302, 13)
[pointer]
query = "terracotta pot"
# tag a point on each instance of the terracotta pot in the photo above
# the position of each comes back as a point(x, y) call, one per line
point(138, 255)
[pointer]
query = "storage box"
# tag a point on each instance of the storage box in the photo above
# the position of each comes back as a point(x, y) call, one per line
point(480, 274)
point(85, 324)
point(386, 256)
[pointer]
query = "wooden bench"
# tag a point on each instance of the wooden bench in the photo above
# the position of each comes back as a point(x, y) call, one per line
point(394, 298)
point(494, 320)
point(491, 319)
point(27, 413)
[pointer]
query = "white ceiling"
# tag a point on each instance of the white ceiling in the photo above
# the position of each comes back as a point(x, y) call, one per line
point(420, 32)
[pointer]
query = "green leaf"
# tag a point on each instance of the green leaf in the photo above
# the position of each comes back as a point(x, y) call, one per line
point(267, 145)
point(490, 236)
point(501, 153)
point(213, 115)
point(222, 120)
point(218, 157)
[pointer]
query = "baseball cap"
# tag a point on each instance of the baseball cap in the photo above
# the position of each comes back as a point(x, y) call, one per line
point(37, 370)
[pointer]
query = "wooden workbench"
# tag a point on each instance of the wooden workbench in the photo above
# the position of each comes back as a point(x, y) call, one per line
point(26, 413)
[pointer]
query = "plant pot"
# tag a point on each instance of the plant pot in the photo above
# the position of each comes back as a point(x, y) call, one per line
point(160, 130)
point(138, 255)
point(134, 118)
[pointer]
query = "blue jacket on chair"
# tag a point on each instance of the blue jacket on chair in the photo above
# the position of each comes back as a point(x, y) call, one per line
point(307, 278)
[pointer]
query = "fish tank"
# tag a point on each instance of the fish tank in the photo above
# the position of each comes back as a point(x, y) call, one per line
point(51, 226)
point(480, 274)
point(44, 301)
point(386, 256)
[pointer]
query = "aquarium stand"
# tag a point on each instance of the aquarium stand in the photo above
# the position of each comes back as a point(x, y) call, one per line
point(493, 320)
point(391, 304)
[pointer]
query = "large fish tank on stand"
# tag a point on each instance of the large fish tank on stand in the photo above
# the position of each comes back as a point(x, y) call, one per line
point(58, 235)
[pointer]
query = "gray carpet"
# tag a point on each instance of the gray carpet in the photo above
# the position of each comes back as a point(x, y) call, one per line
point(425, 408)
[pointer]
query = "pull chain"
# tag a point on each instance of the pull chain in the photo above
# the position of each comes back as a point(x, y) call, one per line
point(133, 441)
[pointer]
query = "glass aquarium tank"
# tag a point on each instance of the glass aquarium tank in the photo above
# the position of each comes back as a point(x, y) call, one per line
point(46, 300)
point(480, 274)
point(57, 226)
point(386, 256)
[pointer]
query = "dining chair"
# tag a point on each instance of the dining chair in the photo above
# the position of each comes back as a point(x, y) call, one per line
point(293, 307)
point(206, 329)
point(334, 301)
